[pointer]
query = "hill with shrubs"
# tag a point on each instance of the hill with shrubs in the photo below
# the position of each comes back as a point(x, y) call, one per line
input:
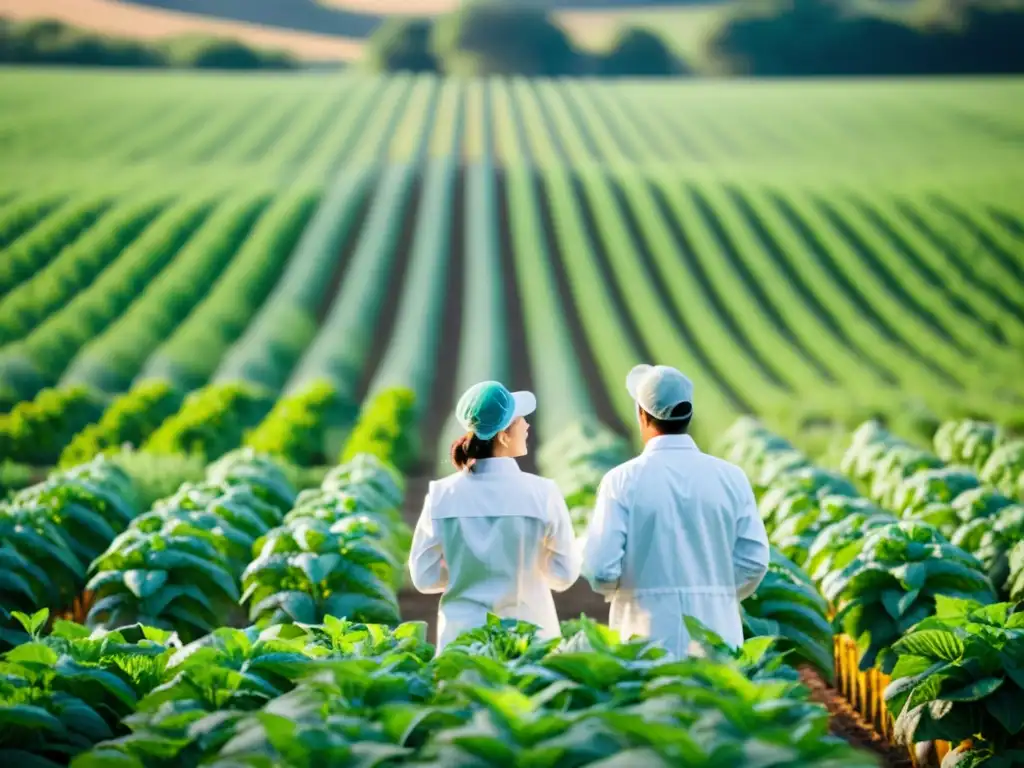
point(53, 42)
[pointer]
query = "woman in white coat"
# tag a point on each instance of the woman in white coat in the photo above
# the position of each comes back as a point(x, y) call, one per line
point(492, 538)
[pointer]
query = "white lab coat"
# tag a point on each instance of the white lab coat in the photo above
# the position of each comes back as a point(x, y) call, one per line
point(494, 540)
point(675, 532)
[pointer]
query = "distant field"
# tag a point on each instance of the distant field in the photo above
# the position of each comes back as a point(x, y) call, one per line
point(136, 21)
point(811, 252)
point(683, 25)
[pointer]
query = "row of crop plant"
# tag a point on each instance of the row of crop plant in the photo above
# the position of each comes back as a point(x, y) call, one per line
point(923, 647)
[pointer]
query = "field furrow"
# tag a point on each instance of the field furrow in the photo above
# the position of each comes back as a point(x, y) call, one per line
point(414, 342)
point(476, 305)
point(555, 344)
point(191, 354)
point(34, 250)
point(113, 358)
point(39, 359)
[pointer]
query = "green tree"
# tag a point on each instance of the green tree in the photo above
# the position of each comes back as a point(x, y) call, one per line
point(640, 53)
point(402, 44)
point(499, 39)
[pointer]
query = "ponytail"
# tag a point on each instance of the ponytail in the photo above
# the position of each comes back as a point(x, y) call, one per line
point(469, 448)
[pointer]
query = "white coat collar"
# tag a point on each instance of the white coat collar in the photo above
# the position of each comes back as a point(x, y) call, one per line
point(503, 465)
point(670, 443)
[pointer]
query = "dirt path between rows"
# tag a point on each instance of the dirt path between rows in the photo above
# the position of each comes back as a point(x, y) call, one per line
point(847, 723)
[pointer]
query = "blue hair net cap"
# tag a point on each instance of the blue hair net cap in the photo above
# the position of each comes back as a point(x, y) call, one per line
point(485, 409)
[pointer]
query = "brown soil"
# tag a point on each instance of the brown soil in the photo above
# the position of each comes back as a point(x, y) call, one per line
point(849, 725)
point(120, 19)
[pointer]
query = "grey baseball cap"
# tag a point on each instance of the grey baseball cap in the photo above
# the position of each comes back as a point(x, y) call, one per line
point(658, 389)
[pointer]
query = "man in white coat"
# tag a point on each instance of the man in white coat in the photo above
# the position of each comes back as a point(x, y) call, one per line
point(675, 531)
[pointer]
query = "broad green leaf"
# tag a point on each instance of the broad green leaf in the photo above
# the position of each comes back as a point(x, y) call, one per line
point(31, 717)
point(975, 691)
point(401, 720)
point(508, 703)
point(71, 671)
point(33, 654)
point(170, 559)
point(1005, 706)
point(142, 584)
point(666, 738)
point(996, 615)
point(492, 749)
point(596, 671)
point(932, 643)
point(900, 690)
point(13, 583)
point(105, 757)
point(79, 717)
point(317, 567)
point(298, 606)
point(362, 608)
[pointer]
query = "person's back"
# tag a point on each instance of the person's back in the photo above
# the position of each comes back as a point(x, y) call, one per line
point(676, 532)
point(499, 531)
point(492, 538)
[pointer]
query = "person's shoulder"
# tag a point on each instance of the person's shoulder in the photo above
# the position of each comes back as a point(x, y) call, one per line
point(442, 484)
point(539, 482)
point(623, 474)
point(729, 476)
point(719, 463)
point(724, 468)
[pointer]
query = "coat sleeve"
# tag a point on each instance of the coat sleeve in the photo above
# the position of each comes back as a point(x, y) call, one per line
point(750, 552)
point(606, 538)
point(427, 567)
point(561, 561)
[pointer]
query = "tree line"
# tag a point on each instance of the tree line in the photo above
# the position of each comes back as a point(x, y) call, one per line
point(54, 42)
point(753, 38)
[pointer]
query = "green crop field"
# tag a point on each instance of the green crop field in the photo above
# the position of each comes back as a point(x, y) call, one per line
point(813, 253)
point(236, 312)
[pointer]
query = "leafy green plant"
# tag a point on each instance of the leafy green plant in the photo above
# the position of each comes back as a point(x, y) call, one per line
point(891, 584)
point(931, 486)
point(991, 539)
point(1005, 469)
point(339, 691)
point(51, 531)
point(386, 429)
point(131, 418)
point(787, 606)
point(36, 431)
point(259, 472)
point(339, 553)
point(959, 676)
point(967, 442)
point(178, 566)
point(89, 503)
point(62, 693)
point(881, 462)
point(211, 421)
point(838, 543)
point(295, 428)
